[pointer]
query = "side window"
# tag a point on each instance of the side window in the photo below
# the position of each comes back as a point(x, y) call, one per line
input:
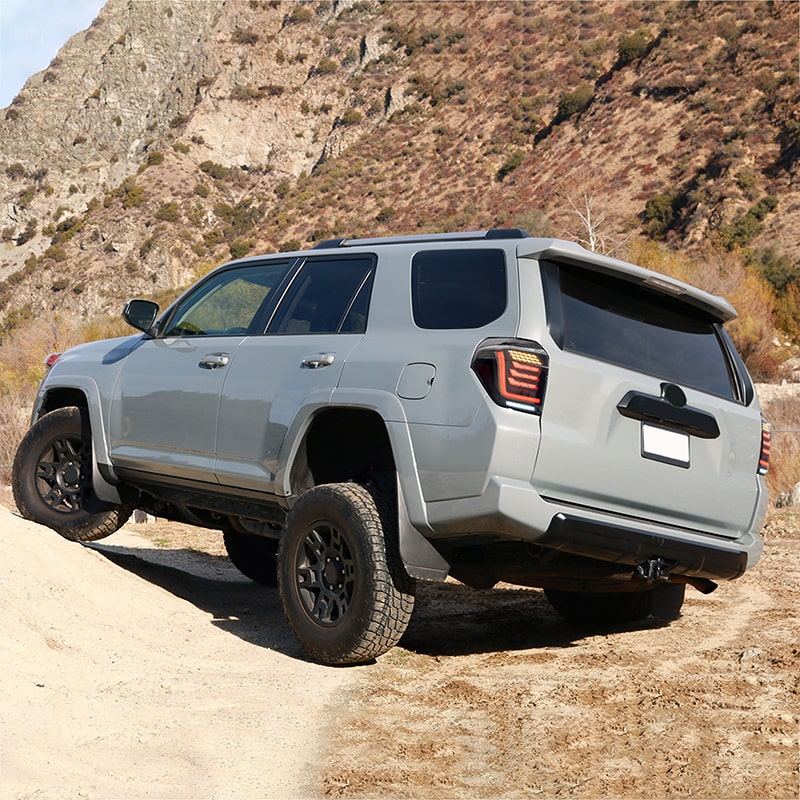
point(458, 288)
point(326, 296)
point(228, 303)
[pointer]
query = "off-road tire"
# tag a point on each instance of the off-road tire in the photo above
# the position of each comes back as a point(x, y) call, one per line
point(342, 584)
point(254, 556)
point(52, 479)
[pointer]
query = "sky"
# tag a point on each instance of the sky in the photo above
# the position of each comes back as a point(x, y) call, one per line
point(32, 32)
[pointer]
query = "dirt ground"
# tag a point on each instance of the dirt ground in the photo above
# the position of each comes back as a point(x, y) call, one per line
point(145, 666)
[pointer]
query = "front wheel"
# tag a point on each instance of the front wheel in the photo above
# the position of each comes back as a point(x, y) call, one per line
point(52, 479)
point(343, 587)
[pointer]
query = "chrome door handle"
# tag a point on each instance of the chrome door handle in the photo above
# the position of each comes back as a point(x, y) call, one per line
point(319, 360)
point(214, 360)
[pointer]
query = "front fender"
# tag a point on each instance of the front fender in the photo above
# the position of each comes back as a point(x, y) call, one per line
point(103, 475)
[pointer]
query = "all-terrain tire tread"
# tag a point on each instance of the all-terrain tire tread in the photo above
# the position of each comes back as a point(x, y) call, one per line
point(392, 595)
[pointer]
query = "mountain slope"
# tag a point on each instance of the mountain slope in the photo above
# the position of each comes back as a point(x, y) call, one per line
point(173, 134)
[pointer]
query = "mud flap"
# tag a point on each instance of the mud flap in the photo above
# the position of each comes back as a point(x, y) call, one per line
point(420, 557)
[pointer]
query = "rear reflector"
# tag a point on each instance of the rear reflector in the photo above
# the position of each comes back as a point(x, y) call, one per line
point(514, 373)
point(766, 441)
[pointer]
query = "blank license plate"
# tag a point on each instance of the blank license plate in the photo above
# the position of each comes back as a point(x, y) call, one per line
point(670, 447)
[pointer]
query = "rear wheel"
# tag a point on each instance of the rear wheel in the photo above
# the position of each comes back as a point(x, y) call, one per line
point(663, 601)
point(343, 587)
point(52, 479)
point(254, 556)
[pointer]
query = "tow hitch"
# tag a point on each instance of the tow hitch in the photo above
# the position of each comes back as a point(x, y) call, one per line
point(658, 570)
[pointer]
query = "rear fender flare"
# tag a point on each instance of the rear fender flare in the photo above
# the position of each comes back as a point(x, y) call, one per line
point(419, 556)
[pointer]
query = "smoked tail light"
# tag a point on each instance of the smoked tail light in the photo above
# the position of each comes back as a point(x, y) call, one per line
point(766, 441)
point(513, 372)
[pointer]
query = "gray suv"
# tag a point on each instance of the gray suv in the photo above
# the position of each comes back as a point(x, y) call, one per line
point(484, 405)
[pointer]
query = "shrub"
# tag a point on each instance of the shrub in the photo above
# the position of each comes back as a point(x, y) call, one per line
point(216, 171)
point(240, 247)
point(740, 232)
point(326, 66)
point(168, 212)
point(576, 101)
point(245, 93)
point(56, 252)
point(300, 13)
point(776, 268)
point(659, 214)
point(16, 171)
point(351, 117)
point(244, 36)
point(510, 164)
point(633, 46)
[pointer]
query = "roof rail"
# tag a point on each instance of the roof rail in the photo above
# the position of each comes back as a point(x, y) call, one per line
point(458, 236)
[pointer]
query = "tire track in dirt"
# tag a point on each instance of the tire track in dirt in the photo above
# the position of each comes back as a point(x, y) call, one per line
point(491, 694)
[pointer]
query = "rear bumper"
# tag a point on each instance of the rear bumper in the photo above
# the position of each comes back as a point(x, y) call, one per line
point(628, 545)
point(511, 510)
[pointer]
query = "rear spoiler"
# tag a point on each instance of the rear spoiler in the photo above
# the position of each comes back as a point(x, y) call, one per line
point(569, 253)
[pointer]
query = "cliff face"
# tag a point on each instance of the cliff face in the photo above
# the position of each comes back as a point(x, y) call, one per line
point(173, 134)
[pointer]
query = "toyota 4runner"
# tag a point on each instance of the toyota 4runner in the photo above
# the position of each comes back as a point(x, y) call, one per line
point(485, 405)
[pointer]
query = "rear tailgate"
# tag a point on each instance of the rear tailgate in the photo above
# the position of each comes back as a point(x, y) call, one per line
point(648, 412)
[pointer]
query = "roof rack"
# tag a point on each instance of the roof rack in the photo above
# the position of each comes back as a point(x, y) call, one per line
point(463, 236)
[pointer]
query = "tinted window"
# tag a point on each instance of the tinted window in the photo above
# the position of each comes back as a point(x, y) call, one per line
point(326, 296)
point(227, 303)
point(616, 321)
point(458, 288)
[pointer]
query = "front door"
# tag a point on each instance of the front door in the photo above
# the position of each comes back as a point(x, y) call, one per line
point(163, 416)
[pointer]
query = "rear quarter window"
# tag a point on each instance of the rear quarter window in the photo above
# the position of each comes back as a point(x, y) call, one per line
point(614, 320)
point(458, 288)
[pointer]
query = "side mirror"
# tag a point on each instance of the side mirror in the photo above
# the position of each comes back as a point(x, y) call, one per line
point(140, 314)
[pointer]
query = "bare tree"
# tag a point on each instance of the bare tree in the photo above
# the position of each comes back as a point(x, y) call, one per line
point(595, 232)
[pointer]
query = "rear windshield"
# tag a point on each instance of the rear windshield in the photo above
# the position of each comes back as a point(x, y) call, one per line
point(616, 321)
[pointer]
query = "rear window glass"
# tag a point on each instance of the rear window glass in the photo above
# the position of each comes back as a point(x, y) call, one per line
point(616, 321)
point(458, 288)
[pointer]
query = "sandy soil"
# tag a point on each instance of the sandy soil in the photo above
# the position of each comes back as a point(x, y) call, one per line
point(145, 666)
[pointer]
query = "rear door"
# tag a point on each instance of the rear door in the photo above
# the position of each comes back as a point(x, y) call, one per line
point(292, 370)
point(647, 410)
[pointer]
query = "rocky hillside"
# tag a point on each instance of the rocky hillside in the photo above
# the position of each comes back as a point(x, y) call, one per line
point(173, 134)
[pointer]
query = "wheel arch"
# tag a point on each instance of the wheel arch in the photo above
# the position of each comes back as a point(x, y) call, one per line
point(84, 393)
point(355, 442)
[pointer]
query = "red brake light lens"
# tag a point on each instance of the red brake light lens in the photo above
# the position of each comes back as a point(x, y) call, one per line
point(514, 373)
point(766, 441)
point(51, 359)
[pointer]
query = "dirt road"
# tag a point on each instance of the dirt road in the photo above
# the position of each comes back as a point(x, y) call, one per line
point(135, 671)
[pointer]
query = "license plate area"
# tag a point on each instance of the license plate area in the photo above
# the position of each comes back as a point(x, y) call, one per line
point(666, 446)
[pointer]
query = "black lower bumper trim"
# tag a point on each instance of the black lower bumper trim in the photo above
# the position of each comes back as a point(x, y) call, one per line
point(633, 546)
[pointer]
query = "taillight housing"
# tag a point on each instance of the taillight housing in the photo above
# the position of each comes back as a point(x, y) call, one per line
point(51, 360)
point(513, 372)
point(766, 442)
